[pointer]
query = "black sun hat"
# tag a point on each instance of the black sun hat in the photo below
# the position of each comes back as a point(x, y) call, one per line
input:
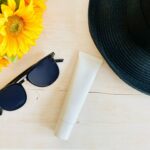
point(121, 32)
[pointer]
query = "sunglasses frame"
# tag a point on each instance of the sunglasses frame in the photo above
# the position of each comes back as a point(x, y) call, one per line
point(21, 78)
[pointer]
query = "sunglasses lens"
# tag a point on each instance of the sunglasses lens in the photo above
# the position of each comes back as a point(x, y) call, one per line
point(44, 74)
point(12, 97)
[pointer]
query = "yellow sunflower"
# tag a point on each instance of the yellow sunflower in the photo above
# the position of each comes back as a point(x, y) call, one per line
point(19, 27)
point(3, 62)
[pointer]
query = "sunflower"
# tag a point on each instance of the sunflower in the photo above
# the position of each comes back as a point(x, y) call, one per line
point(3, 62)
point(19, 27)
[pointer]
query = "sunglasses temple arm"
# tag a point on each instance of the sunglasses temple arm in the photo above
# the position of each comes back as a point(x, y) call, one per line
point(59, 60)
point(1, 111)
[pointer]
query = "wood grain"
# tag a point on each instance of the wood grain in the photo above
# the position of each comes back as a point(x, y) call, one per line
point(114, 117)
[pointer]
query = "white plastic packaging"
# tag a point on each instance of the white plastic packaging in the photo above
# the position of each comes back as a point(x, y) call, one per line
point(84, 75)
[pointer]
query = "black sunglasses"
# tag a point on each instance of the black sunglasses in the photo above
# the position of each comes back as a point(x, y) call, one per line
point(41, 74)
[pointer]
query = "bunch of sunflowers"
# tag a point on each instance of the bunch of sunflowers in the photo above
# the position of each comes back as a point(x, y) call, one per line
point(20, 26)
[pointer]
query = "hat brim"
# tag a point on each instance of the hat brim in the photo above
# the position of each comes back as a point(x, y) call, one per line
point(109, 30)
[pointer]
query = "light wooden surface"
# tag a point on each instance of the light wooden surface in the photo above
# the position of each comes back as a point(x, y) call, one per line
point(115, 116)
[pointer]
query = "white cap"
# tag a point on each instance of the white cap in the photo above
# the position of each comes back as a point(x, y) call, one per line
point(63, 129)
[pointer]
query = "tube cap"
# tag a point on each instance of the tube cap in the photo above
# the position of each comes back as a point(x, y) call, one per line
point(63, 129)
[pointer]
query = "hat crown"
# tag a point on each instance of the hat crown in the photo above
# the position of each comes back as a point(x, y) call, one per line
point(138, 16)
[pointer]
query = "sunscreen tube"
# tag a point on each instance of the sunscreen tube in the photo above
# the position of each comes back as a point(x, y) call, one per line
point(84, 75)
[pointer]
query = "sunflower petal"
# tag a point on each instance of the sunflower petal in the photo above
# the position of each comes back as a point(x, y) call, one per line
point(2, 21)
point(11, 4)
point(6, 11)
point(3, 46)
point(20, 10)
point(2, 30)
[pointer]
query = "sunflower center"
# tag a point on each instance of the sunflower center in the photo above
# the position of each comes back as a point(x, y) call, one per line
point(14, 25)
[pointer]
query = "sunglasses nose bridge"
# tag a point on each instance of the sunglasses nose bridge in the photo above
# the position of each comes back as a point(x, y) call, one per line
point(22, 80)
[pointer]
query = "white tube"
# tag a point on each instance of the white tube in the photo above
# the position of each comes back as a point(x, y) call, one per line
point(84, 75)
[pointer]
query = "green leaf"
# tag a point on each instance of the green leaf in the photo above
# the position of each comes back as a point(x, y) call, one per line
point(12, 59)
